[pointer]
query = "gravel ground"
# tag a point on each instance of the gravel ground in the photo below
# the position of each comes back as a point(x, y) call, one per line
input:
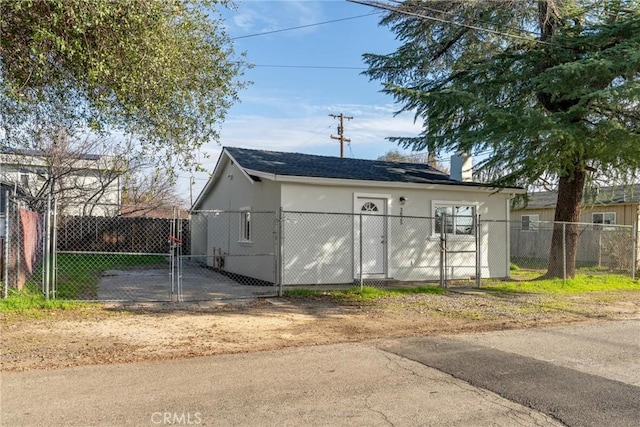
point(130, 333)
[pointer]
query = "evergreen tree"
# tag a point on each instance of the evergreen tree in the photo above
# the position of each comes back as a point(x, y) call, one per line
point(548, 86)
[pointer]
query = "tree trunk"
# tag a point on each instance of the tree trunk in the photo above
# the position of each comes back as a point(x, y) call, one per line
point(562, 256)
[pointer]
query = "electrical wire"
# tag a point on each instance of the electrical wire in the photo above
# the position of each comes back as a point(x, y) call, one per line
point(390, 8)
point(320, 67)
point(375, 12)
point(316, 134)
point(478, 20)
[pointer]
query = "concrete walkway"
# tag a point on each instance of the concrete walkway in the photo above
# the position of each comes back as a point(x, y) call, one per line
point(198, 284)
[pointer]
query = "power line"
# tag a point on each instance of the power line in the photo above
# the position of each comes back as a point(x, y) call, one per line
point(375, 12)
point(328, 67)
point(391, 8)
point(481, 21)
point(316, 134)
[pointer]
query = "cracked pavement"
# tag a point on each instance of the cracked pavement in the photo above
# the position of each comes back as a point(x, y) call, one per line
point(369, 383)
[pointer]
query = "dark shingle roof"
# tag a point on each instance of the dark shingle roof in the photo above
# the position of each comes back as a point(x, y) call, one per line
point(295, 164)
point(592, 197)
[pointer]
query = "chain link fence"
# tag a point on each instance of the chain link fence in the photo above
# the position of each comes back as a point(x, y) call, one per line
point(604, 249)
point(372, 249)
point(231, 254)
point(121, 253)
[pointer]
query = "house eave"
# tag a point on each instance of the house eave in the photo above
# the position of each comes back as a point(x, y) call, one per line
point(225, 157)
point(390, 184)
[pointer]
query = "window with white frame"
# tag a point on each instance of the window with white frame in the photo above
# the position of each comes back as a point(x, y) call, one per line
point(603, 218)
point(455, 219)
point(529, 222)
point(245, 224)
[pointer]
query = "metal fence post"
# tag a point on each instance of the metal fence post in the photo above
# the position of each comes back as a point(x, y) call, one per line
point(478, 247)
point(7, 229)
point(360, 238)
point(279, 251)
point(54, 250)
point(47, 249)
point(172, 261)
point(634, 252)
point(179, 253)
point(443, 249)
point(564, 251)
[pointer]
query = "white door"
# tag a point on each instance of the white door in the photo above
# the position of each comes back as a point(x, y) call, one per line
point(373, 237)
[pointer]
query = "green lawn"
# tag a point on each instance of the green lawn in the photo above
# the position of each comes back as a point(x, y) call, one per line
point(366, 293)
point(580, 284)
point(78, 274)
point(29, 302)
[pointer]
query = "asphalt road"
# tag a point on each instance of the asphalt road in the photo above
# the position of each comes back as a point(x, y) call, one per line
point(573, 375)
point(549, 370)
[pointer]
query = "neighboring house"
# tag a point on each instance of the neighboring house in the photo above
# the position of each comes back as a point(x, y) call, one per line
point(618, 205)
point(80, 183)
point(315, 193)
point(6, 189)
point(605, 232)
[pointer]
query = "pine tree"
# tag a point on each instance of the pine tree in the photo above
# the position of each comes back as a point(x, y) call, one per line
point(549, 87)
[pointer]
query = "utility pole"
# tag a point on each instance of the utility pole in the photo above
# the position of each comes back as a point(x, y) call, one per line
point(340, 136)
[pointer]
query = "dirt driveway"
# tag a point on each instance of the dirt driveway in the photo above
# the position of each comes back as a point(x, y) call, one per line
point(109, 334)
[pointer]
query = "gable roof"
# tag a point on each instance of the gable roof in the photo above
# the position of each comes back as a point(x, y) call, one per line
point(281, 166)
point(296, 164)
point(613, 195)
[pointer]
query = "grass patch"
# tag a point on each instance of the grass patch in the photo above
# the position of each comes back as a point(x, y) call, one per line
point(301, 293)
point(366, 293)
point(577, 285)
point(27, 301)
point(525, 274)
point(78, 274)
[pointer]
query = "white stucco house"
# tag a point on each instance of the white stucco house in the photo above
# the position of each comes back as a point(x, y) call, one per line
point(316, 204)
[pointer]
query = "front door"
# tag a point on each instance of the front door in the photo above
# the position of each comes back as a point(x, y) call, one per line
point(373, 237)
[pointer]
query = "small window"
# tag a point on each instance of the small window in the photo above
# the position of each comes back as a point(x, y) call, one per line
point(245, 225)
point(604, 218)
point(24, 179)
point(3, 199)
point(369, 207)
point(530, 222)
point(456, 219)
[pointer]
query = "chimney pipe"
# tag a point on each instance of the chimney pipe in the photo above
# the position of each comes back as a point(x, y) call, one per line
point(462, 167)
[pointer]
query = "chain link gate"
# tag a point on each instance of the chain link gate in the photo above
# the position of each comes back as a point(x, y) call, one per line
point(460, 245)
point(229, 255)
point(113, 253)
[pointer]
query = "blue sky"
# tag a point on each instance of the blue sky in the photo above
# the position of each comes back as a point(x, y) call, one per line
point(287, 109)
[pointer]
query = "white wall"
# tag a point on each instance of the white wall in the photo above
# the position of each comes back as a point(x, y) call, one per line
point(231, 193)
point(320, 248)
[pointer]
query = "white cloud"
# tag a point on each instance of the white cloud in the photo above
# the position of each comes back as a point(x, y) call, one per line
point(259, 16)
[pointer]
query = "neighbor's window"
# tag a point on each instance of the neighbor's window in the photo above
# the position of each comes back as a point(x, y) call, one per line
point(245, 225)
point(3, 199)
point(24, 179)
point(530, 222)
point(606, 218)
point(456, 219)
